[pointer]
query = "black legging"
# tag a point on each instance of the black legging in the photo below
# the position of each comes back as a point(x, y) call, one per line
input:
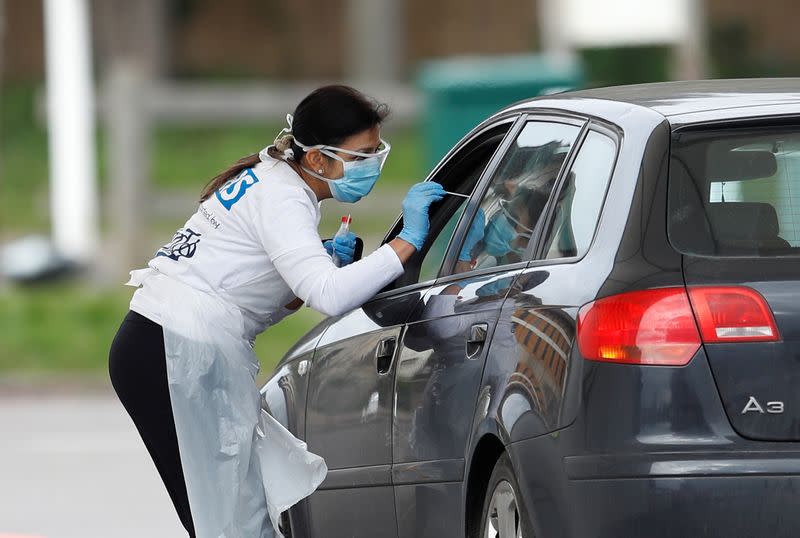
point(138, 370)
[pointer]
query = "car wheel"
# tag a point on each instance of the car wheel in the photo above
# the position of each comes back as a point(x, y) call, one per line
point(503, 512)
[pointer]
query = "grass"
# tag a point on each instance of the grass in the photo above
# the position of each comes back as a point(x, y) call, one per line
point(61, 327)
point(23, 164)
point(69, 326)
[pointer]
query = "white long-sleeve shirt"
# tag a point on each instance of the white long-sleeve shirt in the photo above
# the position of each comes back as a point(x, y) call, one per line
point(255, 244)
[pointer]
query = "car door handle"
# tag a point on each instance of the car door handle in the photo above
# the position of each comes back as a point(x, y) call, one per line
point(476, 339)
point(384, 354)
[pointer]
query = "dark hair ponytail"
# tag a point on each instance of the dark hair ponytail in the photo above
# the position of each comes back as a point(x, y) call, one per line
point(328, 116)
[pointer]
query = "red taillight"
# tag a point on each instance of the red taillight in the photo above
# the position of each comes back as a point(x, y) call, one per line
point(658, 326)
point(733, 314)
point(641, 327)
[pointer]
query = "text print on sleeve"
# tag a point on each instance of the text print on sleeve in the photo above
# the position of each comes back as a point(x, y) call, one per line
point(231, 193)
point(183, 245)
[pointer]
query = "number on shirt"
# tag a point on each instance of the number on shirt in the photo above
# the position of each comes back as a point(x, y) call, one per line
point(232, 192)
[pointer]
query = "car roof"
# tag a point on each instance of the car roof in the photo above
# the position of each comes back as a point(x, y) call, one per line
point(686, 97)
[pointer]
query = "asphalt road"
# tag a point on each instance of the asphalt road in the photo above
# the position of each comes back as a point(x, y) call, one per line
point(74, 467)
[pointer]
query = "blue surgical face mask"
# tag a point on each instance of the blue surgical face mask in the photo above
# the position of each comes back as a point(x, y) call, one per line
point(499, 237)
point(359, 175)
point(357, 181)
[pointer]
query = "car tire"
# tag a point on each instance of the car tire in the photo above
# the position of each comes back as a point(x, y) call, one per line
point(503, 514)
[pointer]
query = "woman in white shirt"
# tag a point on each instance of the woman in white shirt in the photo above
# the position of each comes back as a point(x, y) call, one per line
point(182, 361)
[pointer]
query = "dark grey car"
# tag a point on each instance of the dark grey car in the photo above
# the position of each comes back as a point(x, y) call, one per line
point(618, 354)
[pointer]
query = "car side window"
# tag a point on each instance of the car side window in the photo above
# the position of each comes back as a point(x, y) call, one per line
point(460, 174)
point(581, 198)
point(515, 199)
point(435, 255)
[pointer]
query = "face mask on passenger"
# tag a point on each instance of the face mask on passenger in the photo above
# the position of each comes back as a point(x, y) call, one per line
point(500, 234)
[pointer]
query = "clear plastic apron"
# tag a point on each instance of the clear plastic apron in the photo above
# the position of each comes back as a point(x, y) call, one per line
point(242, 467)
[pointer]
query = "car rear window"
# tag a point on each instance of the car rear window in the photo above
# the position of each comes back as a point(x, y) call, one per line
point(735, 192)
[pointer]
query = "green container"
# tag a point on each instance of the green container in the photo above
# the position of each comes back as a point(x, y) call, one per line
point(461, 92)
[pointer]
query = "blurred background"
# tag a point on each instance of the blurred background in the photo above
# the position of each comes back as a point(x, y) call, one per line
point(115, 113)
point(181, 88)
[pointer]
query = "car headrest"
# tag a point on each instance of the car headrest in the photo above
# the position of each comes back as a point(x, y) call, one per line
point(739, 221)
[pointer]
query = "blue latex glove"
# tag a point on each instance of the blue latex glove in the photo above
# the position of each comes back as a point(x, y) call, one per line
point(474, 235)
point(344, 246)
point(415, 212)
point(499, 236)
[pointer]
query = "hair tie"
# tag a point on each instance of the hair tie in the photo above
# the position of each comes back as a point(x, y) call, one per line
point(281, 145)
point(283, 142)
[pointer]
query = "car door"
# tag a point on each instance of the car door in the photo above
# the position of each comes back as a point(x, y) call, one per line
point(537, 326)
point(348, 419)
point(351, 385)
point(443, 351)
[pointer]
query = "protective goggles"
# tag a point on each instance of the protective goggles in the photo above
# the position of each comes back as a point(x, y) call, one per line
point(381, 154)
point(504, 207)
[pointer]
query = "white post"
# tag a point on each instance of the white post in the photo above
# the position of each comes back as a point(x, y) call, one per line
point(691, 60)
point(70, 120)
point(374, 31)
point(554, 41)
point(128, 127)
